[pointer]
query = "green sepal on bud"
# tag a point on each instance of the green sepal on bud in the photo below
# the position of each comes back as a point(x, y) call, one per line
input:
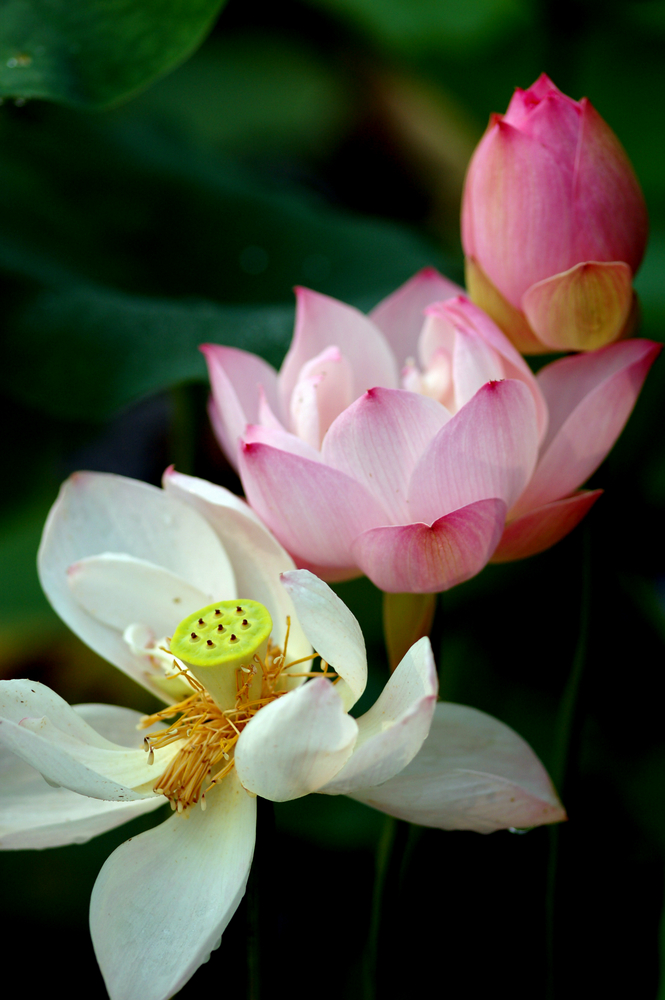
point(220, 638)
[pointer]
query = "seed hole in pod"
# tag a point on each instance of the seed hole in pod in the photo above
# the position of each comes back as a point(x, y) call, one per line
point(245, 623)
point(201, 622)
point(234, 638)
point(193, 637)
point(220, 628)
point(209, 642)
point(217, 613)
point(238, 610)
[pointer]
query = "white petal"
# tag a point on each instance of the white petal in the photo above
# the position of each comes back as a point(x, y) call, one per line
point(392, 732)
point(296, 744)
point(256, 555)
point(45, 732)
point(163, 899)
point(332, 630)
point(97, 513)
point(113, 586)
point(33, 814)
point(472, 773)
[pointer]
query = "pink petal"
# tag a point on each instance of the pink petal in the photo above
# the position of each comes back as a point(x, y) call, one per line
point(235, 378)
point(609, 214)
point(473, 773)
point(555, 122)
point(419, 558)
point(516, 211)
point(280, 439)
point(488, 449)
point(296, 744)
point(378, 441)
point(322, 322)
point(590, 397)
point(581, 309)
point(523, 102)
point(315, 511)
point(324, 389)
point(543, 527)
point(400, 316)
point(468, 317)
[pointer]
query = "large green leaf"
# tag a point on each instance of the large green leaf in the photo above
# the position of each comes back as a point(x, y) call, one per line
point(92, 53)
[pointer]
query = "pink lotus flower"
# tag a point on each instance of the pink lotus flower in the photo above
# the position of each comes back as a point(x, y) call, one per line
point(417, 482)
point(554, 224)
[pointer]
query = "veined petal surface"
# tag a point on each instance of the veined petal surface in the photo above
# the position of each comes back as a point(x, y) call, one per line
point(540, 528)
point(424, 559)
point(472, 773)
point(98, 512)
point(34, 814)
point(296, 744)
point(400, 316)
point(378, 440)
point(333, 631)
point(163, 899)
point(392, 732)
point(315, 511)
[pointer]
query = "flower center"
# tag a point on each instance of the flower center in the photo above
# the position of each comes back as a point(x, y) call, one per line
point(230, 638)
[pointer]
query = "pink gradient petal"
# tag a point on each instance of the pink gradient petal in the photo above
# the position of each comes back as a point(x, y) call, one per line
point(235, 377)
point(326, 383)
point(321, 322)
point(543, 527)
point(488, 449)
point(466, 316)
point(504, 209)
point(419, 558)
point(315, 511)
point(523, 102)
point(555, 122)
point(378, 441)
point(590, 397)
point(282, 440)
point(400, 315)
point(606, 190)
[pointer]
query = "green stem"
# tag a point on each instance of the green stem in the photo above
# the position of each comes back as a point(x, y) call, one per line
point(389, 858)
point(568, 738)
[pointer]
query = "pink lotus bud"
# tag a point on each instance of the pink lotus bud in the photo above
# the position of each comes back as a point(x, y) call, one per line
point(554, 224)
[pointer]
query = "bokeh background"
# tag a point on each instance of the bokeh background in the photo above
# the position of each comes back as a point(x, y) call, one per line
point(154, 196)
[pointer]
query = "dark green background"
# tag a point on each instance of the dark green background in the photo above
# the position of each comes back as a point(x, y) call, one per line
point(145, 209)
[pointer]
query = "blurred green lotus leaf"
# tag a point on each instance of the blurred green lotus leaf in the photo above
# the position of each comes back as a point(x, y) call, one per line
point(92, 53)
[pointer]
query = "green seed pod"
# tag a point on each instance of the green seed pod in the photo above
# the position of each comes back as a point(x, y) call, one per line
point(218, 639)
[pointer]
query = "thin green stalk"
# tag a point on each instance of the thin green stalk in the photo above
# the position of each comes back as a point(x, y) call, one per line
point(568, 737)
point(389, 858)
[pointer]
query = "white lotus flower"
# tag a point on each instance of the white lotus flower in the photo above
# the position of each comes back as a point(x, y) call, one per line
point(123, 563)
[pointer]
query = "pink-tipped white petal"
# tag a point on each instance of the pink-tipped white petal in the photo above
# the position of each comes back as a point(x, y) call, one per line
point(114, 587)
point(392, 732)
point(378, 440)
point(322, 322)
point(332, 630)
point(488, 449)
point(325, 387)
point(316, 512)
point(96, 513)
point(424, 559)
point(236, 379)
point(34, 814)
point(45, 732)
point(284, 440)
point(473, 773)
point(163, 899)
point(465, 316)
point(256, 555)
point(400, 316)
point(590, 397)
point(296, 744)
